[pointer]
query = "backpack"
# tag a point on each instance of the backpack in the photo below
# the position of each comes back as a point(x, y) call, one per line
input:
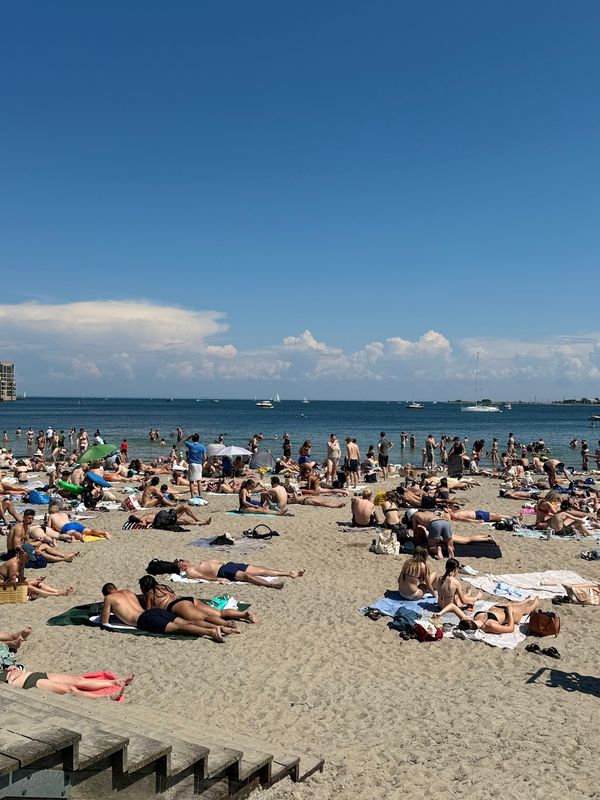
point(166, 520)
point(543, 623)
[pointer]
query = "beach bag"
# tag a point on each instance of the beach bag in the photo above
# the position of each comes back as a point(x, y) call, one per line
point(166, 520)
point(386, 543)
point(371, 477)
point(426, 631)
point(543, 623)
point(261, 531)
point(584, 594)
point(130, 504)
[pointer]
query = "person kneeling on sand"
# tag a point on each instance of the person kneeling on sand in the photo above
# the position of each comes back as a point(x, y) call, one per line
point(213, 570)
point(363, 510)
point(157, 595)
point(125, 605)
point(497, 619)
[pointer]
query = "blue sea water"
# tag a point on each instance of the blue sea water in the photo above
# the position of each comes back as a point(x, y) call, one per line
point(239, 419)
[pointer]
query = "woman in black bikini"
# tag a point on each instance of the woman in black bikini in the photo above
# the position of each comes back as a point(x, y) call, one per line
point(157, 595)
point(497, 619)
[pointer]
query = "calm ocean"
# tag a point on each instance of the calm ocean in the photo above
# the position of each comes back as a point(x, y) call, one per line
point(239, 419)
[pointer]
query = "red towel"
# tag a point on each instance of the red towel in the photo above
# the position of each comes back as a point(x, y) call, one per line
point(108, 690)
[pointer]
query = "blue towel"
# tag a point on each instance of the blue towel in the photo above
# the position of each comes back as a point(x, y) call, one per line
point(509, 591)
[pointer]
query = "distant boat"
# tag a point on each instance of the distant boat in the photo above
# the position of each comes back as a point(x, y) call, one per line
point(170, 400)
point(215, 401)
point(277, 399)
point(306, 401)
point(507, 407)
point(594, 418)
point(265, 404)
point(413, 406)
point(479, 407)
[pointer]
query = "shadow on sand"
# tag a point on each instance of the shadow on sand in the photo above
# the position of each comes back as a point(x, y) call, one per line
point(569, 681)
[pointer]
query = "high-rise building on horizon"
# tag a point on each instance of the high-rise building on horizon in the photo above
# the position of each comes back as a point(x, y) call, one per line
point(8, 385)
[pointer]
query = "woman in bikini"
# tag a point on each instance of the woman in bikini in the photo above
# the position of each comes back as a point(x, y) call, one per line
point(497, 619)
point(63, 683)
point(415, 580)
point(249, 506)
point(450, 590)
point(157, 595)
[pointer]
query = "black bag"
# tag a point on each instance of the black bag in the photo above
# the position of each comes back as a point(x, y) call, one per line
point(428, 502)
point(166, 520)
point(257, 533)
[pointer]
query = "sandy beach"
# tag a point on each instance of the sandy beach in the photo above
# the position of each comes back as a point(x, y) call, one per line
point(393, 718)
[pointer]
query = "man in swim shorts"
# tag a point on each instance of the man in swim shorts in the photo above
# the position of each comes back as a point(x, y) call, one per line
point(125, 605)
point(551, 467)
point(213, 570)
point(468, 515)
point(353, 457)
point(59, 521)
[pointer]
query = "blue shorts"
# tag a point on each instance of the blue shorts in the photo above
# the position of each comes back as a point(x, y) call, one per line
point(155, 620)
point(230, 570)
point(440, 529)
point(72, 526)
point(353, 464)
point(482, 516)
point(303, 460)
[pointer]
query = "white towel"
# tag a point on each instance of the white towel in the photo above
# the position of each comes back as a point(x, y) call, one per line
point(175, 578)
point(544, 585)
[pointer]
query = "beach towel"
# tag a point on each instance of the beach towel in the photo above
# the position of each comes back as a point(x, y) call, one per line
point(135, 526)
point(91, 537)
point(256, 514)
point(243, 545)
point(517, 586)
point(393, 605)
point(532, 533)
point(175, 578)
point(473, 550)
point(349, 527)
point(107, 691)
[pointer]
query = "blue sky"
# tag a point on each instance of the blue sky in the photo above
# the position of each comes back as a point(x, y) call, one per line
point(333, 198)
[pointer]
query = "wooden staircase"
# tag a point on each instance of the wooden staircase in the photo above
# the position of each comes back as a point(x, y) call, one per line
point(73, 747)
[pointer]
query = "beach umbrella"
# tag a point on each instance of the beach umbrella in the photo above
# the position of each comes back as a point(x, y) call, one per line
point(97, 453)
point(233, 451)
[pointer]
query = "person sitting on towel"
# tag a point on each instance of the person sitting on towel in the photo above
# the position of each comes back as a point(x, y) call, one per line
point(415, 579)
point(125, 605)
point(450, 590)
point(213, 570)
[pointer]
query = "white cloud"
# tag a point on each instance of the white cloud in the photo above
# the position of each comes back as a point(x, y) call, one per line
point(430, 343)
point(224, 351)
point(306, 343)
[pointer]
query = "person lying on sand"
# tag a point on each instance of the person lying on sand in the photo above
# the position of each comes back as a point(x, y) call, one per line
point(469, 515)
point(415, 579)
point(12, 488)
point(249, 506)
point(450, 590)
point(157, 595)
point(125, 605)
point(60, 522)
point(497, 619)
point(213, 570)
point(63, 683)
point(184, 513)
point(435, 529)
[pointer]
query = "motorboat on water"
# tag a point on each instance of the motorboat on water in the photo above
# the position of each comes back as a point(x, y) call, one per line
point(507, 407)
point(265, 404)
point(414, 406)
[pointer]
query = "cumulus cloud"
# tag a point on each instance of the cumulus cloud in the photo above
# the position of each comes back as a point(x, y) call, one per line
point(306, 343)
point(224, 351)
point(430, 343)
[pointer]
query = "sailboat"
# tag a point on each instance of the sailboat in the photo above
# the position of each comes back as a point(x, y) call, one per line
point(306, 401)
point(478, 406)
point(277, 399)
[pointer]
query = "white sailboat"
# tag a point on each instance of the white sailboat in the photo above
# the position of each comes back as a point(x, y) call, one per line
point(277, 399)
point(478, 406)
point(306, 401)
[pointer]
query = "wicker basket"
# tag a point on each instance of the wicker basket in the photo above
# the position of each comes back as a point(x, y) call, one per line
point(13, 593)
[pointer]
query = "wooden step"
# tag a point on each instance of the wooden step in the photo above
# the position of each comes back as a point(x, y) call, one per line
point(96, 744)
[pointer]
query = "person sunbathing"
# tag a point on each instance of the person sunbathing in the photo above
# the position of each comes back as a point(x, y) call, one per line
point(60, 522)
point(184, 513)
point(449, 588)
point(249, 506)
point(125, 605)
point(568, 522)
point(427, 529)
point(12, 488)
point(316, 502)
point(157, 595)
point(469, 515)
point(36, 588)
point(415, 579)
point(497, 619)
point(8, 507)
point(363, 510)
point(63, 683)
point(213, 570)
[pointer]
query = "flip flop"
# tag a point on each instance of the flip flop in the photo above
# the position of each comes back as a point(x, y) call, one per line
point(552, 652)
point(534, 648)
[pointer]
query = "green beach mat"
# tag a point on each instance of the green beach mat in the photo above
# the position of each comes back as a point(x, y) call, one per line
point(80, 615)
